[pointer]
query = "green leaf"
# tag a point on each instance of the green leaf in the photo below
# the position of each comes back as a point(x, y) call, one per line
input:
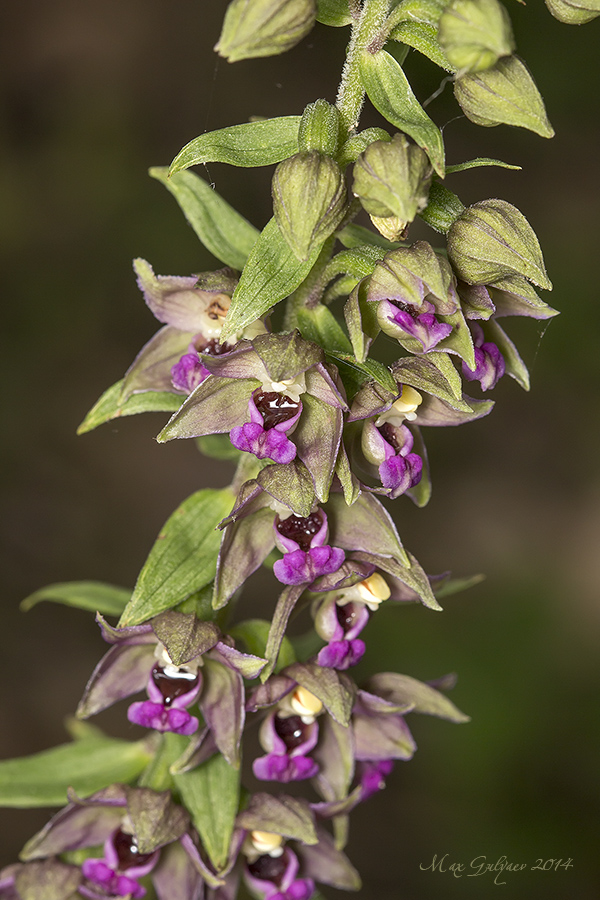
point(369, 370)
point(272, 273)
point(109, 407)
point(478, 163)
point(184, 557)
point(390, 93)
point(86, 766)
point(443, 208)
point(356, 235)
point(94, 596)
point(321, 326)
point(254, 633)
point(422, 37)
point(211, 794)
point(219, 227)
point(261, 143)
point(333, 12)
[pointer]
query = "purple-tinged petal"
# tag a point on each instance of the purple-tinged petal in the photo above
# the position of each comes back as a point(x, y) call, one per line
point(341, 654)
point(400, 473)
point(286, 356)
point(248, 665)
point(271, 692)
point(151, 369)
point(245, 545)
point(175, 878)
point(161, 718)
point(73, 828)
point(121, 672)
point(437, 413)
point(318, 438)
point(291, 817)
point(489, 365)
point(382, 737)
point(222, 705)
point(184, 636)
point(323, 862)
point(271, 444)
point(188, 372)
point(334, 690)
point(284, 768)
point(215, 407)
point(49, 879)
point(129, 634)
point(351, 572)
point(299, 567)
point(321, 385)
point(364, 526)
point(373, 775)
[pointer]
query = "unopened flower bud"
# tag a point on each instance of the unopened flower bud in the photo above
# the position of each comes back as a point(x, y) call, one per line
point(374, 590)
point(491, 240)
point(474, 34)
point(391, 180)
point(507, 94)
point(305, 704)
point(255, 28)
point(574, 12)
point(309, 200)
point(320, 128)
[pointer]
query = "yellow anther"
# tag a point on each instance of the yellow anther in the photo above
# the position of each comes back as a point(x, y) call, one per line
point(374, 590)
point(304, 703)
point(408, 401)
point(266, 841)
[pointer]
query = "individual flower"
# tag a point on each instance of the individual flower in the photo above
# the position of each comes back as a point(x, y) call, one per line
point(388, 444)
point(180, 661)
point(193, 309)
point(489, 362)
point(142, 832)
point(276, 398)
point(306, 554)
point(288, 734)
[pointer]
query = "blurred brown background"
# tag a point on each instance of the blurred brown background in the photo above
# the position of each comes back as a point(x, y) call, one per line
point(94, 94)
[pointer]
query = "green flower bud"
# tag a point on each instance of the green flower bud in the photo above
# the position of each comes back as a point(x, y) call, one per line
point(474, 34)
point(504, 94)
point(492, 240)
point(264, 27)
point(309, 200)
point(574, 12)
point(320, 128)
point(391, 180)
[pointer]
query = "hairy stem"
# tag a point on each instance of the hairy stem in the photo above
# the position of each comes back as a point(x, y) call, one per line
point(351, 93)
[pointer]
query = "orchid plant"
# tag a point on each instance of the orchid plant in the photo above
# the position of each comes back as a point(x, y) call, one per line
point(270, 362)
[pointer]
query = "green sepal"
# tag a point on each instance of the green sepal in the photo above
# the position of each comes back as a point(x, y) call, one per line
point(211, 794)
point(254, 633)
point(257, 28)
point(361, 320)
point(109, 406)
point(369, 370)
point(184, 557)
point(396, 688)
point(359, 261)
point(291, 817)
point(291, 484)
point(333, 12)
point(358, 143)
point(433, 373)
point(285, 606)
point(260, 143)
point(422, 36)
point(319, 128)
point(574, 12)
point(93, 596)
point(443, 208)
point(515, 367)
point(390, 93)
point(318, 324)
point(86, 766)
point(218, 225)
point(504, 94)
point(272, 273)
point(328, 686)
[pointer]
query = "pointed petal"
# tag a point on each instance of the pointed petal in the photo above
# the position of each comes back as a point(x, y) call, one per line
point(121, 672)
point(246, 543)
point(184, 636)
point(175, 878)
point(324, 863)
point(291, 817)
point(222, 705)
point(216, 406)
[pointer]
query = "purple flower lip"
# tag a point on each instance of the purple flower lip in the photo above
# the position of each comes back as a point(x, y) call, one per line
point(271, 415)
point(275, 877)
point(489, 362)
point(306, 556)
point(120, 855)
point(423, 326)
point(171, 689)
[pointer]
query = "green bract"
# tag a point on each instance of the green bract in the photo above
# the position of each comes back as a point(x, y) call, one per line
point(505, 94)
point(474, 34)
point(309, 200)
point(491, 240)
point(264, 27)
point(574, 12)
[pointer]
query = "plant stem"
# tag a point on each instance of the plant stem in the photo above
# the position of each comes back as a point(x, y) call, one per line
point(351, 93)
